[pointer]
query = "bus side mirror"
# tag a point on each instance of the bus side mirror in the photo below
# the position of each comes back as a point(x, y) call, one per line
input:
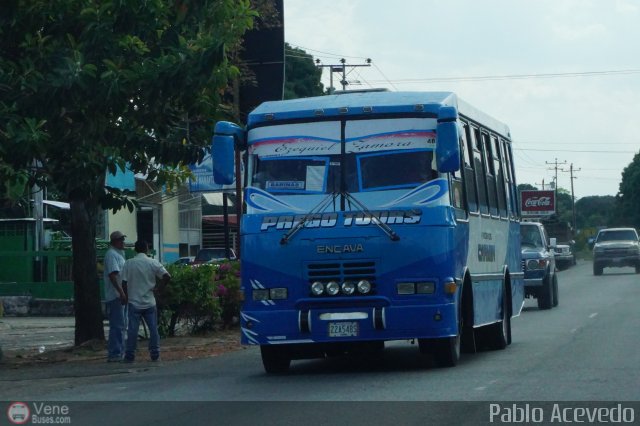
point(225, 138)
point(447, 136)
point(553, 242)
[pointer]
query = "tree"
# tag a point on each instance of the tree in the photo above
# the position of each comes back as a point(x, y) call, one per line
point(89, 87)
point(594, 211)
point(627, 208)
point(302, 77)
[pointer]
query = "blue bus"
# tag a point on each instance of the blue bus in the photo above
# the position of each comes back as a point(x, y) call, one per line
point(372, 217)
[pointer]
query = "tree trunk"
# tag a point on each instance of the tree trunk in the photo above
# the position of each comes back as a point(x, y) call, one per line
point(86, 287)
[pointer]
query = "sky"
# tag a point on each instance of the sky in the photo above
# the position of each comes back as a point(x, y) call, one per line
point(588, 116)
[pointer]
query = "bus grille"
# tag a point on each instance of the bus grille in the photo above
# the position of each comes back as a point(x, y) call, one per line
point(342, 271)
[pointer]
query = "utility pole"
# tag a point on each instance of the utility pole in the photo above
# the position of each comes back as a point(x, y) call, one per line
point(573, 198)
point(555, 186)
point(340, 68)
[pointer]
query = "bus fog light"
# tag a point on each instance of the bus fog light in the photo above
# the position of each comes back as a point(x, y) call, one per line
point(364, 287)
point(260, 294)
point(332, 288)
point(278, 293)
point(406, 288)
point(348, 287)
point(425, 288)
point(317, 288)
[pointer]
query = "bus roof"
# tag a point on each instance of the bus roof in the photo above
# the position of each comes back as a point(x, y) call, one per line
point(379, 103)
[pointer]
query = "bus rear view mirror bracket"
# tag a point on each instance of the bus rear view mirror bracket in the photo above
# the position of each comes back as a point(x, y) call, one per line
point(447, 145)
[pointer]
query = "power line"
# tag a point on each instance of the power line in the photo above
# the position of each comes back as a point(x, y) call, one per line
point(385, 77)
point(327, 53)
point(516, 76)
point(575, 150)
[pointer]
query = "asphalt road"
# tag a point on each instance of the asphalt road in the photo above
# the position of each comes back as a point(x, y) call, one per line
point(586, 349)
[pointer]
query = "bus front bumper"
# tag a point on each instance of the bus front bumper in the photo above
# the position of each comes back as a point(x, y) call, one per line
point(264, 327)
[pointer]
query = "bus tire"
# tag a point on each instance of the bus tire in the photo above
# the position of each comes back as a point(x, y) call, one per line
point(446, 351)
point(275, 359)
point(556, 301)
point(498, 334)
point(545, 295)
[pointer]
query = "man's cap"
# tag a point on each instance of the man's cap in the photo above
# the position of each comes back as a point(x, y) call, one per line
point(117, 235)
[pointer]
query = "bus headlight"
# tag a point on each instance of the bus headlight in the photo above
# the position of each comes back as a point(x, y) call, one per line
point(364, 286)
point(260, 294)
point(406, 288)
point(332, 288)
point(348, 287)
point(317, 288)
point(425, 287)
point(278, 293)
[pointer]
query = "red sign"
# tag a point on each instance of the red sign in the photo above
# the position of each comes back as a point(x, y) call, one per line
point(537, 203)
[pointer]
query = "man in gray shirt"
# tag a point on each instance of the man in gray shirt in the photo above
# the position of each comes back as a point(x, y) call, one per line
point(114, 295)
point(139, 274)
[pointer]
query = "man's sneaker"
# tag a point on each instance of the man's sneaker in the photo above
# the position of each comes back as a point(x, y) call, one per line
point(155, 358)
point(128, 360)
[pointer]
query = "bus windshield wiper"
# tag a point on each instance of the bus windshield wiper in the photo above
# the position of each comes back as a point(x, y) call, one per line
point(319, 208)
point(385, 228)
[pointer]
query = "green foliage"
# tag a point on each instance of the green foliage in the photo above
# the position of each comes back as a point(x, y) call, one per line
point(90, 86)
point(627, 208)
point(228, 291)
point(200, 297)
point(302, 77)
point(87, 87)
point(189, 297)
point(594, 212)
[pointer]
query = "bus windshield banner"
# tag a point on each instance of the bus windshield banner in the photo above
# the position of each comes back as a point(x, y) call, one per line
point(537, 203)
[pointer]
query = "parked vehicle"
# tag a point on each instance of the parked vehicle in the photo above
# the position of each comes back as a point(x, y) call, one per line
point(564, 256)
point(616, 247)
point(211, 255)
point(539, 265)
point(187, 260)
point(563, 233)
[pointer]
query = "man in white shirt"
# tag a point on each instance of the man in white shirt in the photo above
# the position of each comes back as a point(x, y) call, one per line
point(139, 274)
point(114, 295)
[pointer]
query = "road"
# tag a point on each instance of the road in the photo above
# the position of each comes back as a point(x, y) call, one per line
point(587, 349)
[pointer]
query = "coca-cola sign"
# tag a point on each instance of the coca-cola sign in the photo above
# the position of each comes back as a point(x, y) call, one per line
point(537, 203)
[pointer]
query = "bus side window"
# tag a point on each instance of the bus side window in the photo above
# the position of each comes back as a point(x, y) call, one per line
point(511, 184)
point(468, 176)
point(480, 173)
point(492, 195)
point(500, 177)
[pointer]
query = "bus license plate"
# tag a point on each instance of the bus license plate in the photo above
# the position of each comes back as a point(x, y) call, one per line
point(343, 329)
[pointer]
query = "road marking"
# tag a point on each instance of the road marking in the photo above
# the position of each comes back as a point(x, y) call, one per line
point(574, 330)
point(481, 388)
point(593, 315)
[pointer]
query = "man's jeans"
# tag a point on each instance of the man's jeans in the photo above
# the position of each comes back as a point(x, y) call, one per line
point(150, 316)
point(115, 312)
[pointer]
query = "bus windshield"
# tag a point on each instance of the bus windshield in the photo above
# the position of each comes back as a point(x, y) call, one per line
point(363, 172)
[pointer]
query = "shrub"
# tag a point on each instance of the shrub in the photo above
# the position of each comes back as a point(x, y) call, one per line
point(199, 296)
point(189, 298)
point(227, 286)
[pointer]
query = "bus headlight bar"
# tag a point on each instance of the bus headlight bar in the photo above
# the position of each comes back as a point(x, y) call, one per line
point(422, 287)
point(261, 294)
point(347, 288)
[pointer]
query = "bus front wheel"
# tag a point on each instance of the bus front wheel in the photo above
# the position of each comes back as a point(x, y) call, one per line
point(275, 359)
